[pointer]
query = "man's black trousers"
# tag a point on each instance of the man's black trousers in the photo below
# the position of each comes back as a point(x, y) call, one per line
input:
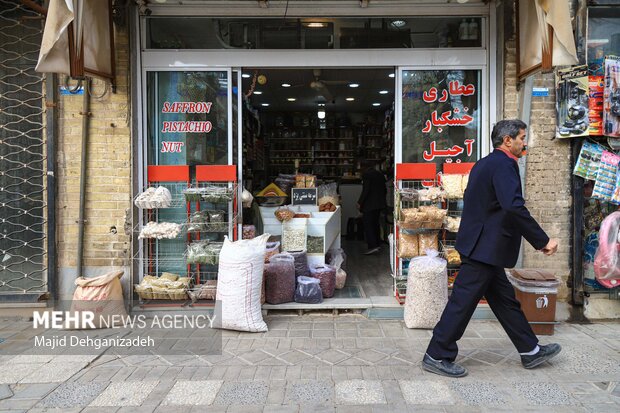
point(371, 228)
point(475, 280)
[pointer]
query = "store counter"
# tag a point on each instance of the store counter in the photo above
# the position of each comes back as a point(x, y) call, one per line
point(320, 224)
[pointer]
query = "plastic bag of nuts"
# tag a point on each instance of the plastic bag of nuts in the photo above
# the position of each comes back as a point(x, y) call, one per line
point(271, 249)
point(284, 214)
point(280, 279)
point(249, 232)
point(327, 275)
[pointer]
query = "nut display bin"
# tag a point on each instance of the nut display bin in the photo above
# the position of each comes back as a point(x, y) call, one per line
point(537, 291)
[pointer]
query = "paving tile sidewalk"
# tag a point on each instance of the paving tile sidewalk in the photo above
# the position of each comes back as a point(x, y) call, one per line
point(312, 363)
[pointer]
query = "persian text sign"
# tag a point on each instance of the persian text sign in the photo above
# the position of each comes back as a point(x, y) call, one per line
point(457, 116)
point(440, 115)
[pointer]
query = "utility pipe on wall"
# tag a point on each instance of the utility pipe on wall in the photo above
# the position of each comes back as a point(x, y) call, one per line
point(84, 161)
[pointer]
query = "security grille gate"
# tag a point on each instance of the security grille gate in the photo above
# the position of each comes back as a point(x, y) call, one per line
point(23, 252)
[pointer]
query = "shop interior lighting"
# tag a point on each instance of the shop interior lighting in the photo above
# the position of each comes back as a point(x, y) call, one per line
point(321, 104)
point(257, 92)
point(321, 114)
point(265, 104)
point(350, 99)
point(286, 85)
point(391, 75)
point(398, 23)
point(245, 75)
point(381, 92)
point(291, 99)
point(354, 85)
point(376, 104)
point(315, 25)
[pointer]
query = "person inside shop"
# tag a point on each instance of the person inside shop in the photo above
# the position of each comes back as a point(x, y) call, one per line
point(493, 221)
point(371, 202)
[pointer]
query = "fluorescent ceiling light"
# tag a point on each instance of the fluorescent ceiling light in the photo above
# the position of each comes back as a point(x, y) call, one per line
point(245, 75)
point(350, 99)
point(315, 25)
point(376, 104)
point(286, 85)
point(383, 92)
point(321, 104)
point(291, 99)
point(321, 114)
point(265, 104)
point(257, 92)
point(391, 75)
point(398, 23)
point(354, 85)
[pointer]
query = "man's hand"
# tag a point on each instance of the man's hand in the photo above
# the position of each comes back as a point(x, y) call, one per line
point(551, 247)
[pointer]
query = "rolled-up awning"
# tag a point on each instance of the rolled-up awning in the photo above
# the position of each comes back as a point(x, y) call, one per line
point(536, 17)
point(78, 39)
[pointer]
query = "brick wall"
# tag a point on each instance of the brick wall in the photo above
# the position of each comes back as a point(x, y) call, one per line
point(548, 171)
point(108, 185)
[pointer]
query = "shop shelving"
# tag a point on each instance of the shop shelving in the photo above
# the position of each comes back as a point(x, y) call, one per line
point(410, 179)
point(214, 188)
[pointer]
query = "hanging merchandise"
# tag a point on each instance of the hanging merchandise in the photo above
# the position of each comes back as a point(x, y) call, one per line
point(611, 102)
point(572, 102)
point(606, 176)
point(596, 86)
point(589, 160)
point(615, 197)
point(607, 259)
point(246, 198)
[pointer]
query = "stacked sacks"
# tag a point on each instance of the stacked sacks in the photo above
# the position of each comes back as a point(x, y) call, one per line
point(280, 279)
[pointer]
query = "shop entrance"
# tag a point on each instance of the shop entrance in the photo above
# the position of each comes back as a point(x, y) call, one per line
point(322, 127)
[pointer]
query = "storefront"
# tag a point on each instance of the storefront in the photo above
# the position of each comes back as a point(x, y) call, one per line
point(233, 99)
point(593, 86)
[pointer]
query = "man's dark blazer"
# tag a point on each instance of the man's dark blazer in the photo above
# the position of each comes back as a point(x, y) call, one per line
point(494, 214)
point(373, 191)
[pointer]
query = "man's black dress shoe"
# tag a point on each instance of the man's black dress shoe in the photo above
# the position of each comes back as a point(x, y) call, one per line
point(443, 367)
point(545, 353)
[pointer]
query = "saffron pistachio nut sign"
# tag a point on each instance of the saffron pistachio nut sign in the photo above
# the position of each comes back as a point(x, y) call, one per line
point(92, 332)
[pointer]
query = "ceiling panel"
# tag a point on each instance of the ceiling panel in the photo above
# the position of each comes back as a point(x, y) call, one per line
point(309, 87)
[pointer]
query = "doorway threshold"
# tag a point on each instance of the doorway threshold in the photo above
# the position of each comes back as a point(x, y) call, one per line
point(374, 307)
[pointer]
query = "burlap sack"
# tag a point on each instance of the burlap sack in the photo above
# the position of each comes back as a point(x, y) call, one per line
point(103, 296)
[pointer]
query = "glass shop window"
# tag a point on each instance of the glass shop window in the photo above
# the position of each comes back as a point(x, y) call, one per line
point(441, 116)
point(313, 33)
point(187, 118)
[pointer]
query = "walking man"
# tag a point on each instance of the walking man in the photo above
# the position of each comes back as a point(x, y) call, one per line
point(371, 202)
point(494, 220)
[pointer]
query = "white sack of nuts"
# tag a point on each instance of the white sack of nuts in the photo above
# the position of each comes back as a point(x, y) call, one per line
point(452, 185)
point(239, 283)
point(427, 290)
